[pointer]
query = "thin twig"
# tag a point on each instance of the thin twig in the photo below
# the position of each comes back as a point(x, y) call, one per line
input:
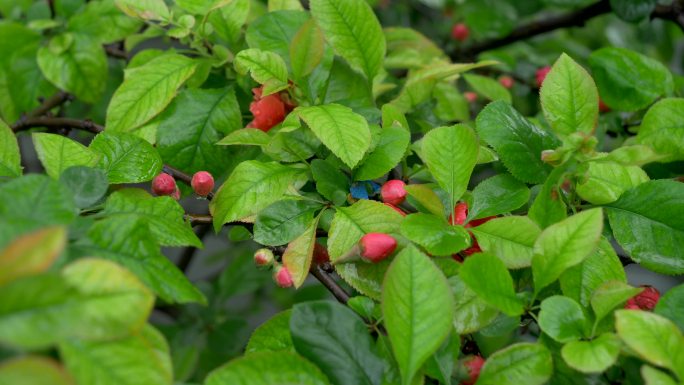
point(115, 52)
point(26, 123)
point(55, 100)
point(330, 284)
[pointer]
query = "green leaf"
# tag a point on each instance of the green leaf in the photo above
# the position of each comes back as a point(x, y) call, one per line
point(10, 159)
point(144, 9)
point(140, 358)
point(654, 376)
point(522, 363)
point(163, 215)
point(283, 221)
point(518, 142)
point(80, 69)
point(104, 22)
point(266, 68)
point(634, 155)
point(569, 98)
point(57, 153)
point(130, 243)
point(488, 87)
point(343, 131)
point(565, 244)
point(497, 195)
point(670, 305)
point(272, 335)
point(245, 137)
point(354, 32)
point(191, 126)
point(653, 338)
point(277, 5)
point(434, 234)
point(298, 254)
point(497, 290)
point(348, 226)
point(471, 312)
point(629, 81)
point(332, 183)
point(417, 307)
point(562, 319)
point(408, 48)
point(87, 185)
point(251, 187)
point(267, 368)
point(275, 31)
point(126, 158)
point(648, 222)
point(440, 365)
point(147, 90)
point(31, 254)
point(604, 182)
point(663, 130)
point(306, 49)
point(610, 295)
point(548, 206)
point(593, 356)
point(228, 20)
point(510, 238)
point(450, 154)
point(91, 299)
point(388, 152)
point(426, 197)
point(201, 7)
point(33, 370)
point(334, 338)
point(633, 11)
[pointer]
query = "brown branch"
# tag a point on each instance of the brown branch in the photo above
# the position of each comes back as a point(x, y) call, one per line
point(55, 100)
point(26, 123)
point(330, 284)
point(115, 52)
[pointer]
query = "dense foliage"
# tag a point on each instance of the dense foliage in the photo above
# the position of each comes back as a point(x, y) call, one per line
point(394, 192)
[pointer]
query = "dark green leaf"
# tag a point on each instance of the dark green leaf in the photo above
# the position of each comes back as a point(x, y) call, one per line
point(499, 194)
point(435, 234)
point(126, 158)
point(283, 221)
point(497, 289)
point(86, 184)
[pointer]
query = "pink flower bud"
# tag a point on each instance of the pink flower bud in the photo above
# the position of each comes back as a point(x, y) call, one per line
point(282, 276)
point(506, 81)
point(471, 97)
point(393, 192)
point(460, 214)
point(263, 258)
point(377, 246)
point(473, 366)
point(202, 182)
point(460, 32)
point(163, 184)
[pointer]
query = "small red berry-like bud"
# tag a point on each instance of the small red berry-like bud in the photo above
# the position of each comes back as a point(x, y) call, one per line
point(320, 254)
point(393, 192)
point(460, 32)
point(506, 81)
point(397, 209)
point(646, 300)
point(460, 214)
point(471, 97)
point(163, 184)
point(282, 276)
point(377, 246)
point(603, 107)
point(263, 258)
point(473, 366)
point(202, 182)
point(541, 75)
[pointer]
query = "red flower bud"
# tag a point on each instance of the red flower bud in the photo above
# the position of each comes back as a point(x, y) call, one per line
point(163, 184)
point(506, 81)
point(460, 32)
point(320, 254)
point(268, 110)
point(471, 97)
point(393, 192)
point(646, 300)
point(541, 75)
point(282, 276)
point(377, 246)
point(263, 258)
point(202, 182)
point(473, 366)
point(460, 214)
point(397, 209)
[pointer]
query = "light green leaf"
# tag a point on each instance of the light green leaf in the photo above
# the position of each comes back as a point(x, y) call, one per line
point(126, 158)
point(426, 197)
point(267, 368)
point(272, 335)
point(663, 129)
point(142, 358)
point(654, 376)
point(604, 182)
point(548, 206)
point(565, 244)
point(488, 87)
point(648, 222)
point(593, 356)
point(510, 238)
point(228, 21)
point(417, 307)
point(87, 185)
point(499, 194)
point(654, 338)
point(147, 90)
point(245, 137)
point(471, 312)
point(354, 32)
point(610, 295)
point(104, 22)
point(435, 234)
point(343, 131)
point(33, 370)
point(91, 299)
point(278, 5)
point(251, 187)
point(81, 69)
point(57, 153)
point(298, 254)
point(497, 290)
point(388, 152)
point(144, 9)
point(275, 31)
point(306, 49)
point(634, 155)
point(670, 305)
point(450, 154)
point(283, 221)
point(569, 98)
point(562, 319)
point(522, 363)
point(31, 254)
point(10, 159)
point(266, 68)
